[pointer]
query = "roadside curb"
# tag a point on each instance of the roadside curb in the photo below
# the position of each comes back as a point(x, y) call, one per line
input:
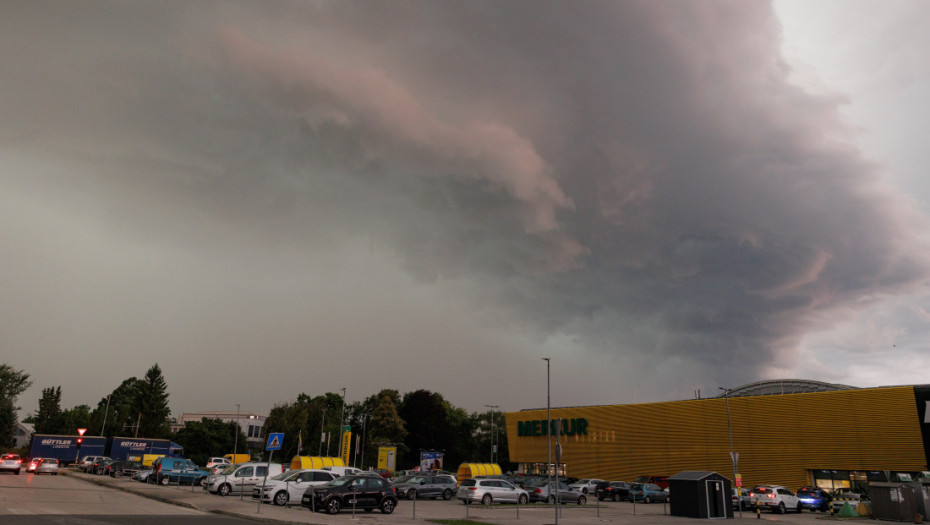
point(161, 499)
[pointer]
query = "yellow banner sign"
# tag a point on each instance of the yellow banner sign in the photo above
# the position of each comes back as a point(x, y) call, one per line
point(346, 444)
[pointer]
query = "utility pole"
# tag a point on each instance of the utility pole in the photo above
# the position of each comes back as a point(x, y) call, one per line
point(342, 424)
point(492, 407)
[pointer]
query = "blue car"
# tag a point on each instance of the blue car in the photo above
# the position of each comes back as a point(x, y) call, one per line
point(177, 470)
point(647, 493)
point(814, 499)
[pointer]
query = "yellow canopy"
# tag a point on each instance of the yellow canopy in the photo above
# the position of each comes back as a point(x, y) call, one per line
point(470, 470)
point(315, 462)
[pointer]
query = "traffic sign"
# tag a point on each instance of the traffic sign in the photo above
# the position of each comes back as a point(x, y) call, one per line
point(81, 431)
point(275, 440)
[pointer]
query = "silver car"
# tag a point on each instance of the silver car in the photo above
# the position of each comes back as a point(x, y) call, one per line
point(47, 466)
point(488, 491)
point(290, 486)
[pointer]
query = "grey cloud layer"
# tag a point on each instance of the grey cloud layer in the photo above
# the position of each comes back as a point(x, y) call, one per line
point(637, 174)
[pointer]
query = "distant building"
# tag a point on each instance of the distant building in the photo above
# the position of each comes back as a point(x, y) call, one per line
point(23, 434)
point(252, 425)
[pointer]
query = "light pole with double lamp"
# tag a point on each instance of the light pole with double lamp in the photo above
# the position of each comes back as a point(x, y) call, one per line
point(726, 397)
point(492, 407)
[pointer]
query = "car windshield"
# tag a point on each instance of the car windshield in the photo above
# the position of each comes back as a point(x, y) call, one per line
point(338, 482)
point(287, 475)
point(228, 470)
point(415, 479)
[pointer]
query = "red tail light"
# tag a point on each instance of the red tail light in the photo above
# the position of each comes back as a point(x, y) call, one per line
point(771, 496)
point(472, 488)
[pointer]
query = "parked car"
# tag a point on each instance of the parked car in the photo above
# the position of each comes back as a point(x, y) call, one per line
point(142, 474)
point(177, 470)
point(47, 466)
point(814, 499)
point(661, 481)
point(11, 462)
point(846, 495)
point(587, 485)
point(104, 466)
point(426, 486)
point(775, 498)
point(290, 486)
point(647, 493)
point(488, 491)
point(741, 499)
point(615, 490)
point(548, 493)
point(214, 462)
point(347, 492)
point(241, 477)
point(119, 469)
point(89, 463)
point(344, 471)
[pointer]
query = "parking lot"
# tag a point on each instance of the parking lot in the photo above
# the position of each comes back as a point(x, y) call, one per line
point(421, 511)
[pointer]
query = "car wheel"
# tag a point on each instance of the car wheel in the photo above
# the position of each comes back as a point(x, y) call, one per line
point(551, 500)
point(486, 499)
point(617, 497)
point(411, 494)
point(582, 500)
point(118, 474)
point(165, 480)
point(800, 509)
point(648, 499)
point(447, 494)
point(17, 472)
point(781, 508)
point(201, 482)
point(280, 499)
point(522, 499)
point(333, 507)
point(225, 489)
point(387, 506)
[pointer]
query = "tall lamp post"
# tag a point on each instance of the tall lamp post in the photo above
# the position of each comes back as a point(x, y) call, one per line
point(726, 397)
point(492, 407)
point(549, 438)
point(236, 440)
point(343, 422)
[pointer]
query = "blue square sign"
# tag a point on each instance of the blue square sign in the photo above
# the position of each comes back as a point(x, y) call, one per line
point(274, 441)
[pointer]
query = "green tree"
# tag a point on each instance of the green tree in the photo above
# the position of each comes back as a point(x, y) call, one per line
point(12, 383)
point(151, 401)
point(208, 437)
point(119, 418)
point(75, 418)
point(438, 426)
point(385, 426)
point(48, 418)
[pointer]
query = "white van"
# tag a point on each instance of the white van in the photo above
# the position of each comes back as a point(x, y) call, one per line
point(242, 478)
point(343, 471)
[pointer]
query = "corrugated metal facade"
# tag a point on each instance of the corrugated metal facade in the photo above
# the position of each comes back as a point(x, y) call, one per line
point(779, 438)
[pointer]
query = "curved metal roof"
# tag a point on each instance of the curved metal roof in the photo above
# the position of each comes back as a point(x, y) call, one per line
point(777, 387)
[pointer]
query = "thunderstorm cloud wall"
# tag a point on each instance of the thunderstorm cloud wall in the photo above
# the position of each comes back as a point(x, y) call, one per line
point(431, 195)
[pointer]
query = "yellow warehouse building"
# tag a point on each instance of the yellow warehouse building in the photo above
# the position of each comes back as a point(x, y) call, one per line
point(793, 433)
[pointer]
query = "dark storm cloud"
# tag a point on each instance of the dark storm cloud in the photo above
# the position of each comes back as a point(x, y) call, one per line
point(637, 175)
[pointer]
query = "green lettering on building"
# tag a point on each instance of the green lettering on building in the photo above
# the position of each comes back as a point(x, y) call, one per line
point(540, 427)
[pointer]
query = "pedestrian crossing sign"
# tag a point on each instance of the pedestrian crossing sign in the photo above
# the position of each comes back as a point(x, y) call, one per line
point(274, 441)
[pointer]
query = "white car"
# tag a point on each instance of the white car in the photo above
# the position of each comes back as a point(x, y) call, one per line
point(11, 462)
point(217, 462)
point(241, 477)
point(587, 486)
point(290, 486)
point(775, 498)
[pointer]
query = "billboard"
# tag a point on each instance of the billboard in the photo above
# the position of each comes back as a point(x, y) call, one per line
point(430, 461)
point(387, 458)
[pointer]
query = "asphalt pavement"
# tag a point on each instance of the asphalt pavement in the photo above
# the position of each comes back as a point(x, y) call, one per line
point(423, 511)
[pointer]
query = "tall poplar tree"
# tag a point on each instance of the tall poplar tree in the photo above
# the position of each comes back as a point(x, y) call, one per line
point(151, 401)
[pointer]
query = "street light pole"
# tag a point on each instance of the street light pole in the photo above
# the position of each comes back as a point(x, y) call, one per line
point(236, 441)
point(549, 438)
point(492, 407)
point(726, 397)
point(343, 422)
point(105, 413)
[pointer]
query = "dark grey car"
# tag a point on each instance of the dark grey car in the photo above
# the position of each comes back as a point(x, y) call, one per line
point(427, 486)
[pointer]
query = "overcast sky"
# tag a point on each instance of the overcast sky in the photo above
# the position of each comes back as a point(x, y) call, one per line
point(269, 198)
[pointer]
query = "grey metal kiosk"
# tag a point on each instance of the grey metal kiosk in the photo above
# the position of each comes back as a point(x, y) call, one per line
point(700, 494)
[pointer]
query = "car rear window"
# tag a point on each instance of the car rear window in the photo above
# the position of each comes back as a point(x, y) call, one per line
point(467, 483)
